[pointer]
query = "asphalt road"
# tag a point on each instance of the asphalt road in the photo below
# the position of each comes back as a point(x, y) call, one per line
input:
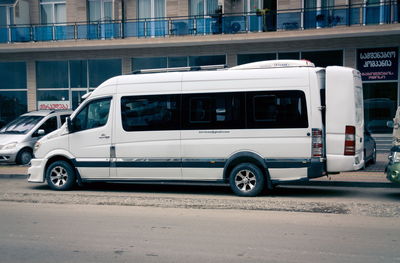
point(373, 199)
point(92, 233)
point(322, 222)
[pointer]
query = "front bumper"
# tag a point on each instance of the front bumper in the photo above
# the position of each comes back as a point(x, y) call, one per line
point(36, 171)
point(8, 156)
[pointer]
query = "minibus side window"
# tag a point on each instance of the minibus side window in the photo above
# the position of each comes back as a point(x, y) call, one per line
point(276, 109)
point(200, 110)
point(93, 115)
point(214, 111)
point(265, 108)
point(153, 112)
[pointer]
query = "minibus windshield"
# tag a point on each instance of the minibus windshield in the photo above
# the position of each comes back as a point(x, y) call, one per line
point(21, 125)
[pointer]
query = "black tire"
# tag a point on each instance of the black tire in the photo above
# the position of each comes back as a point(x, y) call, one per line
point(61, 176)
point(24, 156)
point(246, 179)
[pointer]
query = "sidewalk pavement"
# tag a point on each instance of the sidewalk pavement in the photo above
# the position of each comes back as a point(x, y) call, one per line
point(372, 174)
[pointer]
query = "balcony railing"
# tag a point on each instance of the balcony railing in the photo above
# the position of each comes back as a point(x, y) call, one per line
point(281, 20)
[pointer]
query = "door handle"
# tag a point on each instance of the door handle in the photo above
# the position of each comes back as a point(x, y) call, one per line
point(103, 136)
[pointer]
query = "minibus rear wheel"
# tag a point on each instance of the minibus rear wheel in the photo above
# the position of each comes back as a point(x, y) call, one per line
point(60, 175)
point(246, 179)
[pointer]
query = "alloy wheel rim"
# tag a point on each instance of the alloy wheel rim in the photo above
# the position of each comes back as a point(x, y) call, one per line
point(245, 180)
point(58, 176)
point(26, 157)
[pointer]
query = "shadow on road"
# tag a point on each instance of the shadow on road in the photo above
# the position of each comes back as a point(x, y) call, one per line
point(149, 188)
point(293, 190)
point(287, 191)
point(393, 196)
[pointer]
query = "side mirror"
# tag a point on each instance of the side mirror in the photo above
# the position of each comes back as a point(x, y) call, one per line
point(390, 124)
point(39, 133)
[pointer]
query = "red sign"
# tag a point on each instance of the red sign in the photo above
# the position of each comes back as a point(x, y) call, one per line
point(53, 105)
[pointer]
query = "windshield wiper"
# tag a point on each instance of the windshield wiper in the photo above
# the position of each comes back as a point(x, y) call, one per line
point(13, 132)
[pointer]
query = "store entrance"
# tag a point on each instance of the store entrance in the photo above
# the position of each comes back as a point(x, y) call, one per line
point(380, 103)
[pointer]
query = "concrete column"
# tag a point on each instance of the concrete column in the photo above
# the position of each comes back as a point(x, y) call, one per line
point(31, 84)
point(231, 60)
point(126, 65)
point(349, 58)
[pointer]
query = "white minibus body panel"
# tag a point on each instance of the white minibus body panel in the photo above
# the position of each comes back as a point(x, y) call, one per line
point(275, 145)
point(143, 149)
point(344, 108)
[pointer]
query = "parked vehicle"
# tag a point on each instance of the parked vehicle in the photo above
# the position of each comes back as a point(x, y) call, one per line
point(369, 148)
point(18, 137)
point(393, 168)
point(255, 125)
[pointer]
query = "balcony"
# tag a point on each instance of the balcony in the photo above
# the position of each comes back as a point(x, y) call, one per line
point(281, 20)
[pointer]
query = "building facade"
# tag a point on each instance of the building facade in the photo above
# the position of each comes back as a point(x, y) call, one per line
point(54, 51)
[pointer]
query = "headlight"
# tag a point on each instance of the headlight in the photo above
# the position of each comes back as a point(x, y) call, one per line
point(10, 146)
point(395, 158)
point(36, 147)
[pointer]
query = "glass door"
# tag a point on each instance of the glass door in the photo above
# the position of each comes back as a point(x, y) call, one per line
point(152, 16)
point(101, 12)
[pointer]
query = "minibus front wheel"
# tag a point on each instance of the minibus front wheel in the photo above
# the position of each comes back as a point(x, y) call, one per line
point(60, 175)
point(246, 179)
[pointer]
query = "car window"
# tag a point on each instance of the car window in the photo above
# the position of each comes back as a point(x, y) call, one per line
point(93, 115)
point(63, 118)
point(49, 125)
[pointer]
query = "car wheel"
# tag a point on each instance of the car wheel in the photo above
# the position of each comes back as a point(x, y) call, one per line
point(246, 179)
point(24, 156)
point(60, 175)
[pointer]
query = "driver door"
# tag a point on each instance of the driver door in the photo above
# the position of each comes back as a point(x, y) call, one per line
point(90, 138)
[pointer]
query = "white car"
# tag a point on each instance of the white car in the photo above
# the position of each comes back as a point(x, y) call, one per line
point(18, 137)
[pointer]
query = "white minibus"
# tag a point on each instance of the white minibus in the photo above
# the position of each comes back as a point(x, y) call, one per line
point(252, 126)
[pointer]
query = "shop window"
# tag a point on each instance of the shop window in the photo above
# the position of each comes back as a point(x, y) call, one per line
point(103, 69)
point(380, 103)
point(173, 62)
point(324, 58)
point(149, 63)
point(78, 73)
point(52, 74)
point(13, 75)
point(207, 60)
point(13, 104)
point(289, 55)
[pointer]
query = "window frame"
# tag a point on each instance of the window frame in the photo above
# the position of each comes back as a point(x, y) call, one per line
point(53, 10)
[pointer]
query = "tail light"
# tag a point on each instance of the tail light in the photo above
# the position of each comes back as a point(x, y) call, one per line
point(350, 141)
point(317, 146)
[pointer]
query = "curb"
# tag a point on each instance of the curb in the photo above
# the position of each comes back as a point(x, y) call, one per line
point(16, 176)
point(345, 184)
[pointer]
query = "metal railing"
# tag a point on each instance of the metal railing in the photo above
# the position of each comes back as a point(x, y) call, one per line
point(291, 19)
